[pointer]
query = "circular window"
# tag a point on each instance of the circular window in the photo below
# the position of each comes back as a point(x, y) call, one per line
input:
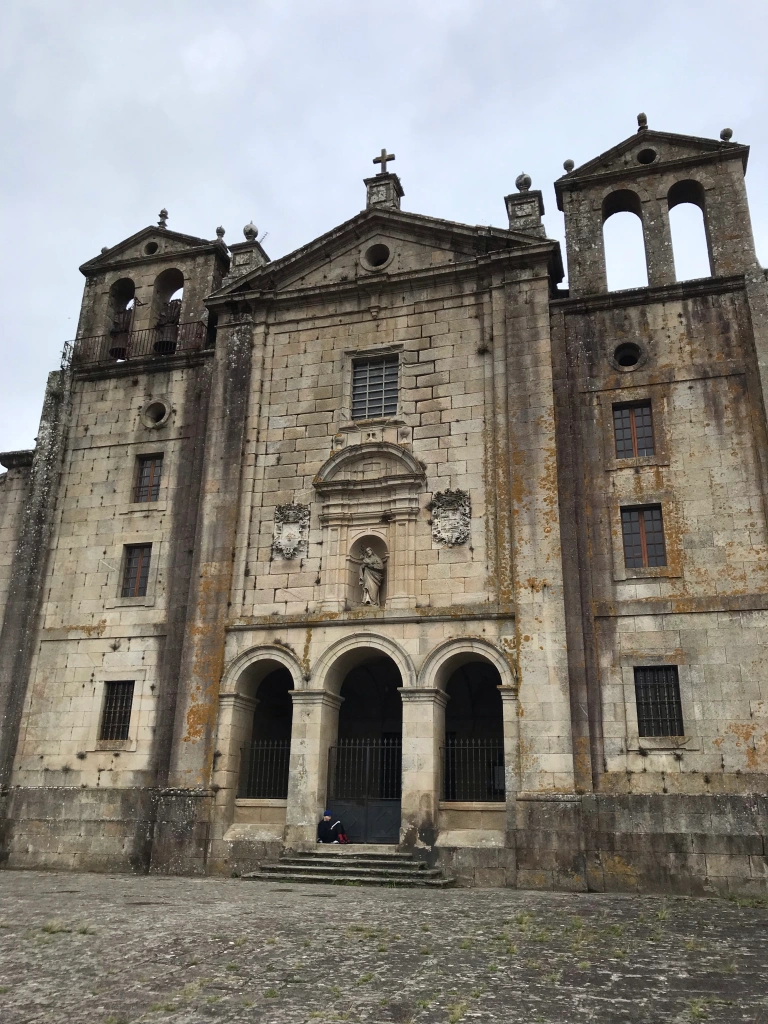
point(646, 156)
point(627, 356)
point(376, 256)
point(151, 248)
point(155, 414)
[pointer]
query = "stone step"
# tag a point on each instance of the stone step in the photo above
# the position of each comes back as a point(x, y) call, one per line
point(364, 859)
point(353, 850)
point(335, 871)
point(340, 878)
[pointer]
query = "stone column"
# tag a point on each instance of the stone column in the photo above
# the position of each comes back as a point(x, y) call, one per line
point(658, 243)
point(314, 730)
point(423, 736)
point(232, 739)
point(510, 710)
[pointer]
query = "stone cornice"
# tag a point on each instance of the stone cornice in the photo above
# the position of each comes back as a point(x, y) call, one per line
point(381, 284)
point(17, 460)
point(458, 614)
point(645, 296)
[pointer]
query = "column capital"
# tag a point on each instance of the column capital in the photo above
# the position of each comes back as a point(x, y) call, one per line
point(238, 700)
point(508, 692)
point(316, 697)
point(422, 695)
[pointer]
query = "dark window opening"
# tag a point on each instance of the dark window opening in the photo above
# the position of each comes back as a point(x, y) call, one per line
point(643, 534)
point(136, 572)
point(116, 716)
point(148, 478)
point(374, 387)
point(657, 692)
point(633, 430)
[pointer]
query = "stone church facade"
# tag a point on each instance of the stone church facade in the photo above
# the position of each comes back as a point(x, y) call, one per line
point(400, 525)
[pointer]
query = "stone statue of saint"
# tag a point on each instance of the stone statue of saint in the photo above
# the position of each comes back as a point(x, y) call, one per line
point(371, 576)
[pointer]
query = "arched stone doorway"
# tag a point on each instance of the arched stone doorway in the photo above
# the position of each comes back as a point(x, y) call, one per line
point(251, 769)
point(365, 763)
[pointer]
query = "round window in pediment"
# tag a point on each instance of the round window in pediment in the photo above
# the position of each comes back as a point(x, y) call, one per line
point(376, 257)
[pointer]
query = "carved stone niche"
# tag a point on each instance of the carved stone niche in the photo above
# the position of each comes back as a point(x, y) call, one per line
point(451, 517)
point(367, 572)
point(291, 530)
point(369, 492)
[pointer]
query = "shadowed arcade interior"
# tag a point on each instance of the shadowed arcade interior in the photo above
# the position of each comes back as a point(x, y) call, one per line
point(365, 765)
point(473, 756)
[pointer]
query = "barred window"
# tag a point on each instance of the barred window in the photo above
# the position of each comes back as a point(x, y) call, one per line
point(657, 692)
point(150, 468)
point(116, 716)
point(643, 533)
point(633, 430)
point(374, 387)
point(136, 572)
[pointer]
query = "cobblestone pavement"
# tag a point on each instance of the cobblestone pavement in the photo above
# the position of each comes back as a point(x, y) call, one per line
point(96, 949)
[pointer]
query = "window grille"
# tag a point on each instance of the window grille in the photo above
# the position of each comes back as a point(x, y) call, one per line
point(657, 692)
point(633, 430)
point(374, 387)
point(136, 571)
point(473, 769)
point(148, 478)
point(116, 717)
point(264, 770)
point(643, 533)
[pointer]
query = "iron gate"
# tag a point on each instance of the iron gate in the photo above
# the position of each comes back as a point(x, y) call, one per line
point(364, 783)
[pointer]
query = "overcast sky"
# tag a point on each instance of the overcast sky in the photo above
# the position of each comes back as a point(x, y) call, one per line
point(272, 110)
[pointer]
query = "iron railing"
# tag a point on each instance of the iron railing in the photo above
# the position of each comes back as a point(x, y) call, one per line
point(264, 770)
point(473, 770)
point(120, 346)
point(365, 769)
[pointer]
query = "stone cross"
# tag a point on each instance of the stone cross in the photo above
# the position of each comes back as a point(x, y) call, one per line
point(383, 160)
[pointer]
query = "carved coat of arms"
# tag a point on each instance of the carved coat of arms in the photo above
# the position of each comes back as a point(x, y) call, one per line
point(291, 529)
point(451, 516)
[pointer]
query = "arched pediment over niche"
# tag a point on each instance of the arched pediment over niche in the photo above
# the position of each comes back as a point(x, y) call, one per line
point(369, 491)
point(378, 463)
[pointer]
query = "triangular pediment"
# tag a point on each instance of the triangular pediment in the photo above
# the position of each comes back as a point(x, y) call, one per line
point(142, 245)
point(378, 243)
point(646, 151)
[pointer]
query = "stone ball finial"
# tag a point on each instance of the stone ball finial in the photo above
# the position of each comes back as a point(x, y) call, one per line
point(250, 231)
point(642, 122)
point(105, 248)
point(523, 182)
point(568, 166)
point(220, 232)
point(726, 134)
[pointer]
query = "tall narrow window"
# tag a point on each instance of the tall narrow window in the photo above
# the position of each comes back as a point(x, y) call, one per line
point(633, 430)
point(374, 387)
point(643, 533)
point(136, 572)
point(150, 469)
point(116, 716)
point(657, 692)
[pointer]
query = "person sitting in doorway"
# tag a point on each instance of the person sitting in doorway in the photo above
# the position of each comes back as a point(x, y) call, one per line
point(330, 831)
